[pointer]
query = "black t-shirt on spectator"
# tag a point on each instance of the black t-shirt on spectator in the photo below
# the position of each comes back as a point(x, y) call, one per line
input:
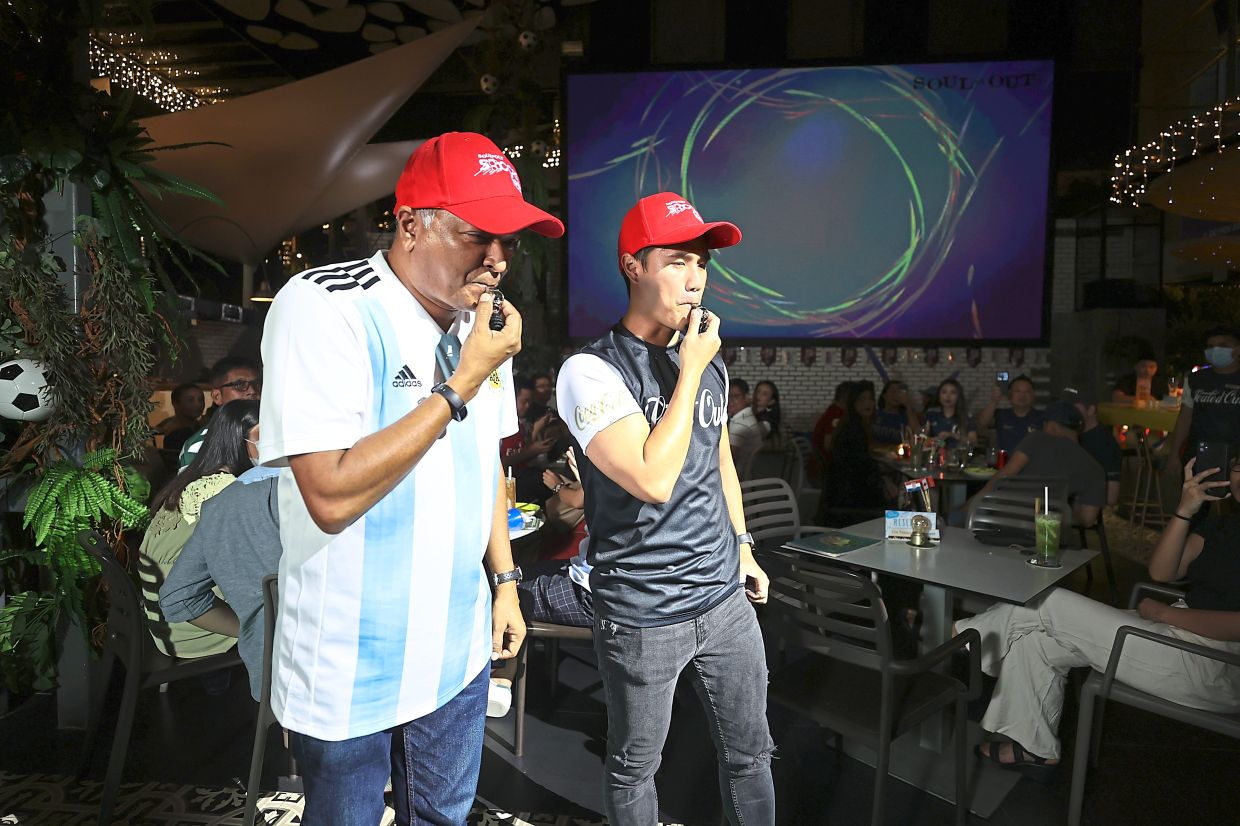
point(1215, 400)
point(1214, 575)
point(1100, 444)
point(1058, 456)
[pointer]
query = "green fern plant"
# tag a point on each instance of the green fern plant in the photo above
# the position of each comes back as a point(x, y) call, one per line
point(68, 498)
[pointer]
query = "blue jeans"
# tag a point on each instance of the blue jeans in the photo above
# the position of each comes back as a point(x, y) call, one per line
point(640, 667)
point(433, 762)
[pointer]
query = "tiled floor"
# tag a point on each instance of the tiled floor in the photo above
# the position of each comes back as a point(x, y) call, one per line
point(1153, 771)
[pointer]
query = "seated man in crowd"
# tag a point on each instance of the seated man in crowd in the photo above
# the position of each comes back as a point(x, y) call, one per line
point(1142, 383)
point(555, 590)
point(231, 378)
point(745, 432)
point(524, 452)
point(236, 544)
point(1055, 450)
point(1098, 440)
point(187, 407)
point(1012, 423)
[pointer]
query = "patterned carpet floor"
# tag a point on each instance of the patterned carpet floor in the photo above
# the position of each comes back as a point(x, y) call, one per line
point(55, 800)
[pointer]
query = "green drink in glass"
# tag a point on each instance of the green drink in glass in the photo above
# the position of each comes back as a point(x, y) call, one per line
point(1047, 527)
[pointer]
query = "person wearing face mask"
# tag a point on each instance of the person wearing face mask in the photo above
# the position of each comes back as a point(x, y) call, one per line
point(1210, 410)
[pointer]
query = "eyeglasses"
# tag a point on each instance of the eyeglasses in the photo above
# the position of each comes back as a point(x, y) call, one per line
point(243, 385)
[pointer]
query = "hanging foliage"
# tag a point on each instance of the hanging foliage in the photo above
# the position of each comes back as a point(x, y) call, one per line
point(97, 349)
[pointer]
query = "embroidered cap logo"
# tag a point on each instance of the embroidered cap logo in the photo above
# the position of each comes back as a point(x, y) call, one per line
point(492, 164)
point(678, 206)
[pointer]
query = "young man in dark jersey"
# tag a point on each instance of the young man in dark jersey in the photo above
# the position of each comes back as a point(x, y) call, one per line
point(647, 405)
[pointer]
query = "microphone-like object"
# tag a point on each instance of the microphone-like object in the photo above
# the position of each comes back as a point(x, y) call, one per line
point(496, 322)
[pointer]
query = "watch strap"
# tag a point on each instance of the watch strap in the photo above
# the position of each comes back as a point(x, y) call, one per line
point(453, 399)
point(507, 576)
point(745, 538)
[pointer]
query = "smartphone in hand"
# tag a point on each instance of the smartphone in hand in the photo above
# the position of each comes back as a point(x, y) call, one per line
point(1002, 377)
point(1212, 455)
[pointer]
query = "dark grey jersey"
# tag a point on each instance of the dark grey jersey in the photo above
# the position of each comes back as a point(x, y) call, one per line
point(652, 564)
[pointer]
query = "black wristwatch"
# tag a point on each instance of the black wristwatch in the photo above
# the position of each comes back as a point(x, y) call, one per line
point(454, 401)
point(745, 538)
point(507, 576)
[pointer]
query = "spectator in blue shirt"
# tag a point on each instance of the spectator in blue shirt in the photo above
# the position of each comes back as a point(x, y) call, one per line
point(894, 417)
point(1012, 424)
point(950, 420)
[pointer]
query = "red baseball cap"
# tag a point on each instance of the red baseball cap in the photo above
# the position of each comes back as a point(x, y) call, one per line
point(666, 218)
point(468, 175)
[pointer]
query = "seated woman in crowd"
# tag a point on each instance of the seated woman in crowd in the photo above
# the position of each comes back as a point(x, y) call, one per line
point(894, 418)
point(1030, 649)
point(230, 448)
point(767, 411)
point(853, 478)
point(950, 420)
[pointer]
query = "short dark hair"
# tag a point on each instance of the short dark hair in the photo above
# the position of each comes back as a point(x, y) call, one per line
point(741, 383)
point(841, 390)
point(1024, 378)
point(523, 384)
point(534, 378)
point(1223, 330)
point(180, 390)
point(641, 255)
point(219, 372)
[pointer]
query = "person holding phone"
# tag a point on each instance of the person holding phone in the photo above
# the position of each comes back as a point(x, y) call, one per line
point(1031, 649)
point(1016, 421)
point(646, 406)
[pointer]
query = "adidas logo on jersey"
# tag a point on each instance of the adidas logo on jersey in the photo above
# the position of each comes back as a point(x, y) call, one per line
point(406, 378)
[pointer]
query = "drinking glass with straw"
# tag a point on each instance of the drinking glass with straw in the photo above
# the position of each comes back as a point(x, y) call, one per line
point(1046, 527)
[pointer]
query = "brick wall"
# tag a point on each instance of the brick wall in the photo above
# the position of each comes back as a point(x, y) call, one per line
point(806, 391)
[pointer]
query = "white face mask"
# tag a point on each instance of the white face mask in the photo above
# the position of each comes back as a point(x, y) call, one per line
point(1220, 356)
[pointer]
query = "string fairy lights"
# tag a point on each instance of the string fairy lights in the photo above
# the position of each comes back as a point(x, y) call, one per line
point(128, 72)
point(1209, 131)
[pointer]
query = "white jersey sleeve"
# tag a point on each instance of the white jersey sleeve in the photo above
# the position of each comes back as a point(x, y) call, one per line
point(591, 397)
point(316, 376)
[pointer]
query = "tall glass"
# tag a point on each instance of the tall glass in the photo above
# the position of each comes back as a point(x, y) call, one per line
point(1046, 527)
point(511, 485)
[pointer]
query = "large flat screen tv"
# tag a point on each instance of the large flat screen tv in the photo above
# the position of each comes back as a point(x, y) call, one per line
point(877, 202)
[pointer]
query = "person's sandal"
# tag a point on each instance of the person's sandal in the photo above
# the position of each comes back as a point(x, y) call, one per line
point(1029, 765)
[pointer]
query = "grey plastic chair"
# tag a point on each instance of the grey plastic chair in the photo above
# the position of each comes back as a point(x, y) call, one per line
point(772, 514)
point(847, 680)
point(1008, 506)
point(129, 641)
point(1099, 688)
point(551, 633)
point(266, 717)
point(774, 462)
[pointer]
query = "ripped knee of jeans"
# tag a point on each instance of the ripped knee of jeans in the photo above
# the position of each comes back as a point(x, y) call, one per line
point(741, 765)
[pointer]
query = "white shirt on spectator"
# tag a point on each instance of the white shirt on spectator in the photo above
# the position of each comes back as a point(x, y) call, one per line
point(745, 434)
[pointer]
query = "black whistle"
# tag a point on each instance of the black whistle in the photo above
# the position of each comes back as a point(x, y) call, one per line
point(497, 314)
point(705, 322)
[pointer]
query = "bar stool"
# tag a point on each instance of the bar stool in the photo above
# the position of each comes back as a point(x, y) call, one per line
point(1146, 504)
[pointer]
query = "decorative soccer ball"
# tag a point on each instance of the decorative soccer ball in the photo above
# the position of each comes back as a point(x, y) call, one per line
point(25, 391)
point(489, 83)
point(538, 148)
point(527, 40)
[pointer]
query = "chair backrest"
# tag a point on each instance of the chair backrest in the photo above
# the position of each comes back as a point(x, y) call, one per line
point(271, 603)
point(770, 462)
point(805, 451)
point(771, 511)
point(127, 629)
point(1009, 505)
point(828, 609)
